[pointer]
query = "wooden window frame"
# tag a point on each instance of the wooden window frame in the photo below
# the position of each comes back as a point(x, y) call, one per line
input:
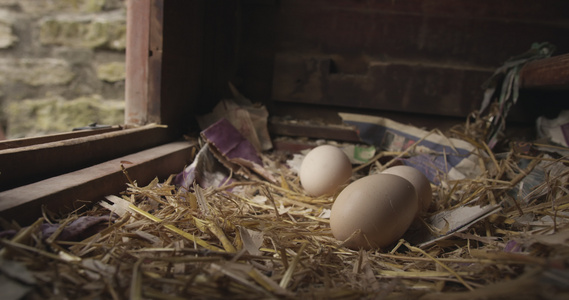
point(61, 173)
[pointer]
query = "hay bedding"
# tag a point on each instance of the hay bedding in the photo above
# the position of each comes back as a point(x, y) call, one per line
point(251, 239)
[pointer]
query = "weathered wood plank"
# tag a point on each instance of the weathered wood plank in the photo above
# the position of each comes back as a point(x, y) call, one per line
point(155, 47)
point(24, 165)
point(469, 33)
point(427, 57)
point(551, 10)
point(338, 133)
point(137, 70)
point(412, 88)
point(23, 142)
point(66, 193)
point(551, 72)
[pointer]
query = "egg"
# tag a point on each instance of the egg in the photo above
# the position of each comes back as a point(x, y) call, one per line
point(373, 211)
point(418, 180)
point(324, 169)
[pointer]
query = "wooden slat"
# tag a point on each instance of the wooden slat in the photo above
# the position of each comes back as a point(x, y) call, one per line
point(23, 142)
point(399, 86)
point(65, 193)
point(551, 72)
point(477, 33)
point(423, 57)
point(314, 131)
point(24, 165)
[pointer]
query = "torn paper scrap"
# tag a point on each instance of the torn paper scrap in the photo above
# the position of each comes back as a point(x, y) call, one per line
point(249, 118)
point(447, 222)
point(234, 151)
point(205, 170)
point(436, 156)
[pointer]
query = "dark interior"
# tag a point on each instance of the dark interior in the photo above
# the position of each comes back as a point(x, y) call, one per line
point(421, 62)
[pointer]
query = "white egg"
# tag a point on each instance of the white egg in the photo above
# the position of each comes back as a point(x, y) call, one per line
point(324, 169)
point(419, 181)
point(374, 211)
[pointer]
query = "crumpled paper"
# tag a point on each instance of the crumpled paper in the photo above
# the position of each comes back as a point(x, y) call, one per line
point(250, 119)
point(77, 230)
point(15, 279)
point(448, 222)
point(225, 150)
point(234, 151)
point(205, 170)
point(556, 130)
point(435, 155)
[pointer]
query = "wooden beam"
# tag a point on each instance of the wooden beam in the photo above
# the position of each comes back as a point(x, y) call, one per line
point(324, 131)
point(27, 164)
point(402, 86)
point(550, 73)
point(155, 40)
point(66, 193)
point(30, 141)
point(144, 61)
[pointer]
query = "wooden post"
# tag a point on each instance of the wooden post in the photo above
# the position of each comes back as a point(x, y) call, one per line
point(154, 107)
point(143, 61)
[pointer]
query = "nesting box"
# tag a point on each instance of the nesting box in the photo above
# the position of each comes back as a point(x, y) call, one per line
point(425, 63)
point(309, 60)
point(418, 62)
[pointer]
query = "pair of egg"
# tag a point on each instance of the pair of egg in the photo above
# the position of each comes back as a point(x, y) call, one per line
point(373, 211)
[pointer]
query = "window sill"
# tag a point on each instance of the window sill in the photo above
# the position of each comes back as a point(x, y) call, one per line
point(68, 192)
point(66, 153)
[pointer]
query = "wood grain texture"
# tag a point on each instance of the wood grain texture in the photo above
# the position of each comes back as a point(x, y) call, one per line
point(68, 192)
point(30, 141)
point(411, 88)
point(137, 51)
point(336, 133)
point(155, 51)
point(428, 57)
point(550, 73)
point(23, 165)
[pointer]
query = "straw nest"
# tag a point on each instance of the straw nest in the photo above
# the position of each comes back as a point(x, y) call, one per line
point(254, 239)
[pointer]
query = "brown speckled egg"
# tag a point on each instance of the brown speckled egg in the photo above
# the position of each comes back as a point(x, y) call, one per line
point(324, 169)
point(373, 211)
point(418, 180)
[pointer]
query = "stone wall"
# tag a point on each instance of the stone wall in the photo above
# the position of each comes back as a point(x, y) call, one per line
point(61, 64)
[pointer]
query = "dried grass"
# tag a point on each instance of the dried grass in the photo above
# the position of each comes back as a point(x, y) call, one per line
point(253, 239)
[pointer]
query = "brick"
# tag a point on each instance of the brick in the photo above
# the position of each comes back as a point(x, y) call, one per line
point(7, 37)
point(111, 72)
point(56, 114)
point(102, 31)
point(8, 2)
point(35, 72)
point(57, 6)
